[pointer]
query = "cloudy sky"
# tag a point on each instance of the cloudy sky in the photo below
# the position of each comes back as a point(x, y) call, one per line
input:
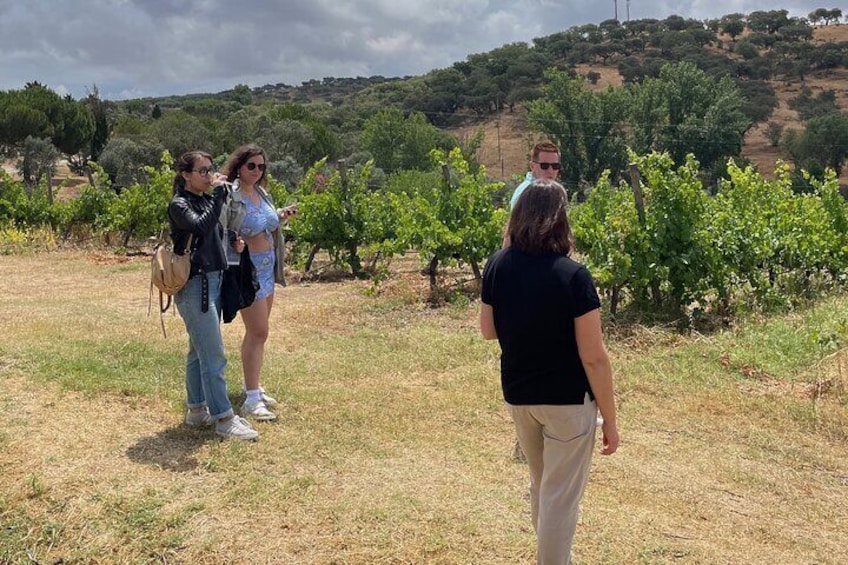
point(137, 48)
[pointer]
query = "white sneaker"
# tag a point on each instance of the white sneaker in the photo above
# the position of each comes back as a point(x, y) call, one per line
point(197, 419)
point(269, 401)
point(258, 411)
point(236, 428)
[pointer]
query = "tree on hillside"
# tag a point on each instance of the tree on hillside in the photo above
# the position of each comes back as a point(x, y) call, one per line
point(747, 50)
point(768, 21)
point(38, 112)
point(687, 111)
point(587, 126)
point(38, 162)
point(796, 32)
point(811, 106)
point(402, 142)
point(438, 95)
point(758, 99)
point(123, 160)
point(824, 15)
point(733, 28)
point(77, 127)
point(181, 132)
point(817, 15)
point(824, 143)
point(99, 110)
point(241, 94)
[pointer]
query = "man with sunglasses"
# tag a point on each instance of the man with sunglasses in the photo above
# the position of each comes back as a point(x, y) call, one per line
point(544, 165)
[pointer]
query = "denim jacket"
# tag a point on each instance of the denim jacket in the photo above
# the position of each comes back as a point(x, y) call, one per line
point(232, 218)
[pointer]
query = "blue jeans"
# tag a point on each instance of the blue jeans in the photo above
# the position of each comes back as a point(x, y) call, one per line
point(205, 363)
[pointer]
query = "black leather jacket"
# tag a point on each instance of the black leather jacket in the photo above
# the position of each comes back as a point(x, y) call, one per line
point(197, 214)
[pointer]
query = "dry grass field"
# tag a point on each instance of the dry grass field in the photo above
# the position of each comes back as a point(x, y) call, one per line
point(393, 445)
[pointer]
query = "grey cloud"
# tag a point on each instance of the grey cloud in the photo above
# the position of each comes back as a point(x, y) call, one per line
point(158, 47)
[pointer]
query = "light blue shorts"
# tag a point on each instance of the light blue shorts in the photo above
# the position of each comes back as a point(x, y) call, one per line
point(263, 262)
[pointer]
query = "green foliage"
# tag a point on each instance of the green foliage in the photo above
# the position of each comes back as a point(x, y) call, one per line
point(697, 114)
point(38, 161)
point(683, 110)
point(757, 244)
point(89, 210)
point(824, 143)
point(758, 98)
point(811, 106)
point(341, 215)
point(402, 142)
point(40, 113)
point(124, 159)
point(588, 127)
point(180, 132)
point(768, 21)
point(455, 221)
point(733, 27)
point(287, 131)
point(747, 50)
point(774, 131)
point(610, 240)
point(141, 209)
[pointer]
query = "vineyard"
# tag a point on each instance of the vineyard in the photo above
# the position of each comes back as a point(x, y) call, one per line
point(660, 244)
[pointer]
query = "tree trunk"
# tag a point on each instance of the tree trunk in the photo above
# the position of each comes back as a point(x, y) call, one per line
point(353, 260)
point(311, 258)
point(476, 269)
point(614, 300)
point(431, 271)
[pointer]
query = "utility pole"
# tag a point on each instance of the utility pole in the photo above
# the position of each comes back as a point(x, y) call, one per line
point(628, 11)
point(498, 129)
point(615, 3)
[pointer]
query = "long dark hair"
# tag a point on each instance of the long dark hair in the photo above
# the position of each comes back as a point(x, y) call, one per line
point(239, 157)
point(185, 164)
point(539, 224)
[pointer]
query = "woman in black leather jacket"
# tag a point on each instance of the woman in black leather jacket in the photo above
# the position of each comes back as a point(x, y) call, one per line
point(194, 212)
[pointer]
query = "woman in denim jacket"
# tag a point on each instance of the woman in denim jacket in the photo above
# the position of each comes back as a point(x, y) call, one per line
point(252, 218)
point(193, 216)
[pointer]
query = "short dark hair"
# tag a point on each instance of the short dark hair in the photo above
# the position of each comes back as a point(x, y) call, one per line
point(543, 147)
point(539, 223)
point(185, 164)
point(239, 157)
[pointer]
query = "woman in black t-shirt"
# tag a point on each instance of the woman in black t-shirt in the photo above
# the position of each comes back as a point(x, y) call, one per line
point(542, 307)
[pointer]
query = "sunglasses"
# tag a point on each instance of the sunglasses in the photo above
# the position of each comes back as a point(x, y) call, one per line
point(203, 171)
point(253, 166)
point(546, 166)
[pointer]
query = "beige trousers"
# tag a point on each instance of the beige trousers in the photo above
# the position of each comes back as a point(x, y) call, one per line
point(558, 442)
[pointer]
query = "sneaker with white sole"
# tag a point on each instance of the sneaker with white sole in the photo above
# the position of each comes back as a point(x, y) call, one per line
point(258, 411)
point(197, 419)
point(236, 428)
point(269, 400)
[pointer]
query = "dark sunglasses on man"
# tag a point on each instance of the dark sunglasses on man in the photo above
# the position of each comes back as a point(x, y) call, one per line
point(546, 166)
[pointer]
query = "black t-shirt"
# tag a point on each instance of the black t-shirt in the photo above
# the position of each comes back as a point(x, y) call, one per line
point(535, 300)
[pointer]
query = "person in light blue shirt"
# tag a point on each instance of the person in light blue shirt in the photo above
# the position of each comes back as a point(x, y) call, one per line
point(544, 165)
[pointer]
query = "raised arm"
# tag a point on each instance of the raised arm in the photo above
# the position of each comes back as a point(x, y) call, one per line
point(185, 218)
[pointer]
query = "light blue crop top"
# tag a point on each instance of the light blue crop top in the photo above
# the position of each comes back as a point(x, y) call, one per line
point(259, 218)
